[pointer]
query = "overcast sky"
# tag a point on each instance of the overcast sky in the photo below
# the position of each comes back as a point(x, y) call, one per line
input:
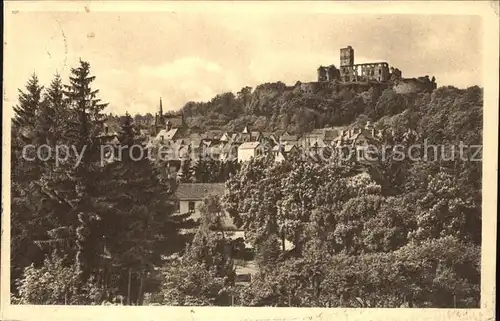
point(140, 57)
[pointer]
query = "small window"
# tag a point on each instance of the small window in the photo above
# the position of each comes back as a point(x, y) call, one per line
point(162, 137)
point(191, 206)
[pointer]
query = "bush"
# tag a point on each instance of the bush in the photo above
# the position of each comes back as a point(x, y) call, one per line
point(55, 283)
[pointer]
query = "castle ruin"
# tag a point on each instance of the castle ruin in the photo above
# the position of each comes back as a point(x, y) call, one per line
point(373, 72)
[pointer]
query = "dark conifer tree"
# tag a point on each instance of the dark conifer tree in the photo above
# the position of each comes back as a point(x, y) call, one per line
point(29, 103)
point(186, 171)
point(139, 225)
point(85, 125)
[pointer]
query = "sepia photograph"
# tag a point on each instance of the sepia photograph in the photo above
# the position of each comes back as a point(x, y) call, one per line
point(249, 155)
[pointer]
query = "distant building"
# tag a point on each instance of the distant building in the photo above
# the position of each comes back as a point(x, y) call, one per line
point(167, 135)
point(109, 137)
point(167, 121)
point(369, 74)
point(351, 72)
point(248, 150)
point(283, 152)
point(191, 195)
point(287, 138)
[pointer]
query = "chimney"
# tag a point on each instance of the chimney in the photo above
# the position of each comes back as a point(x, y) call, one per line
point(106, 129)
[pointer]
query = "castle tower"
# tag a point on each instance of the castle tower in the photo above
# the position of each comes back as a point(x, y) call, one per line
point(346, 56)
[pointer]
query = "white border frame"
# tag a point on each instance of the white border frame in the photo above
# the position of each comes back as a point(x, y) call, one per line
point(490, 14)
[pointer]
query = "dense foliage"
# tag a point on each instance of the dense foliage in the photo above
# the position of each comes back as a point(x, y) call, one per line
point(396, 232)
point(399, 231)
point(105, 225)
point(274, 106)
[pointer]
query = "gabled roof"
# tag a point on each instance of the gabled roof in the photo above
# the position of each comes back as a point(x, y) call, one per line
point(167, 134)
point(288, 137)
point(198, 191)
point(249, 145)
point(255, 133)
point(225, 137)
point(109, 134)
point(245, 136)
point(286, 147)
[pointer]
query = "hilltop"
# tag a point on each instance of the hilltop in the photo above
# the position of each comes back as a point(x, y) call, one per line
point(274, 106)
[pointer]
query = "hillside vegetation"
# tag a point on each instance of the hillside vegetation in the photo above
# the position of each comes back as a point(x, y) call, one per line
point(399, 231)
point(274, 106)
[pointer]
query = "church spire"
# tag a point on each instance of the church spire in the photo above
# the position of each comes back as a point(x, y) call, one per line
point(160, 116)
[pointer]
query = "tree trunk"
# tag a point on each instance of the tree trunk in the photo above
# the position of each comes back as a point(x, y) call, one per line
point(140, 298)
point(129, 284)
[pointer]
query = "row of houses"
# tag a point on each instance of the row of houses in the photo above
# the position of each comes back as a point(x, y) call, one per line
point(242, 146)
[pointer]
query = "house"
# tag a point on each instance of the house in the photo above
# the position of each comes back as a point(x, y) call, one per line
point(109, 137)
point(214, 151)
point(268, 137)
point(255, 136)
point(358, 142)
point(229, 152)
point(282, 152)
point(227, 136)
point(329, 135)
point(247, 151)
point(191, 195)
point(288, 138)
point(245, 137)
point(318, 149)
point(167, 135)
point(249, 136)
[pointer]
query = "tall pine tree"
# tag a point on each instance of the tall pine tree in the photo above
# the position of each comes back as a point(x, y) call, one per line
point(84, 127)
point(29, 103)
point(140, 226)
point(25, 168)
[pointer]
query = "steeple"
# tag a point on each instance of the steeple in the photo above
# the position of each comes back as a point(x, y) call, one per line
point(161, 119)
